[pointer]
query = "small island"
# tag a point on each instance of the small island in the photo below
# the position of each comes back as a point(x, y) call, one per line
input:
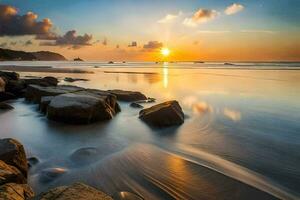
point(78, 59)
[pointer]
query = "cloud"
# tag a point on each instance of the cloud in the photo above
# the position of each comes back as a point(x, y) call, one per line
point(233, 9)
point(200, 17)
point(133, 44)
point(71, 39)
point(12, 24)
point(169, 18)
point(151, 45)
point(212, 32)
point(259, 31)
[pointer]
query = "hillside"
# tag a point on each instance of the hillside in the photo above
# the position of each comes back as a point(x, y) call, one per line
point(10, 55)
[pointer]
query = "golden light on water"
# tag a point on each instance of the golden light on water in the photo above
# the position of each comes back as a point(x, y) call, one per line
point(165, 51)
point(165, 74)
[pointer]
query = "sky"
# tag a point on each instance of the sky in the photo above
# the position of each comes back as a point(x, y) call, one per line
point(136, 30)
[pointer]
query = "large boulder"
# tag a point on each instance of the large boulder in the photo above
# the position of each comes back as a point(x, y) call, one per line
point(13, 191)
point(129, 96)
point(34, 93)
point(82, 107)
point(12, 152)
point(76, 191)
point(46, 81)
point(165, 114)
point(2, 84)
point(10, 174)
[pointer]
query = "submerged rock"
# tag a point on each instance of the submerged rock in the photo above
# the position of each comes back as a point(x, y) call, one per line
point(82, 108)
point(13, 191)
point(32, 161)
point(76, 191)
point(48, 175)
point(12, 153)
point(69, 79)
point(136, 105)
point(5, 106)
point(34, 93)
point(10, 174)
point(130, 96)
point(165, 114)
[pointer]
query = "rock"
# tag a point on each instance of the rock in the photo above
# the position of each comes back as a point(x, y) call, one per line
point(10, 174)
point(45, 101)
point(46, 81)
point(82, 107)
point(12, 153)
point(13, 191)
point(130, 96)
point(2, 84)
point(8, 76)
point(136, 105)
point(16, 87)
point(32, 161)
point(6, 96)
point(68, 79)
point(48, 175)
point(34, 93)
point(76, 191)
point(165, 114)
point(85, 155)
point(5, 106)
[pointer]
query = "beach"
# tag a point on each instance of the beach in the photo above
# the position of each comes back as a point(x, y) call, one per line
point(240, 138)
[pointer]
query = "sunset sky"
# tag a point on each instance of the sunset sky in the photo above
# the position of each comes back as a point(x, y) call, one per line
point(134, 30)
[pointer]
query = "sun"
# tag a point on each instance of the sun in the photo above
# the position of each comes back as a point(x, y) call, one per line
point(165, 52)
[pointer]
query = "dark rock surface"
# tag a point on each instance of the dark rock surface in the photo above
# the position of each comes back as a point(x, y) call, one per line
point(136, 105)
point(69, 79)
point(82, 107)
point(6, 96)
point(165, 114)
point(129, 96)
point(45, 101)
point(12, 153)
point(34, 93)
point(5, 106)
point(46, 81)
point(76, 191)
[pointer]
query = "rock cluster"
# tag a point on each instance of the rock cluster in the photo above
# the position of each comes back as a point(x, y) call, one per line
point(13, 171)
point(13, 178)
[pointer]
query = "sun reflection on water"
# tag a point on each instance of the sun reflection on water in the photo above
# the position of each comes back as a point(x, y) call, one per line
point(166, 74)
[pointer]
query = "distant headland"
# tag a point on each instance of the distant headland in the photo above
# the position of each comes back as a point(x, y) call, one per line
point(12, 55)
